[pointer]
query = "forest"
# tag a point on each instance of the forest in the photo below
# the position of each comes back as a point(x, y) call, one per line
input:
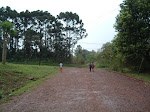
point(39, 36)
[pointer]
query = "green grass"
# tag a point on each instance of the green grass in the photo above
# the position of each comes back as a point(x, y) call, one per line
point(14, 78)
point(142, 76)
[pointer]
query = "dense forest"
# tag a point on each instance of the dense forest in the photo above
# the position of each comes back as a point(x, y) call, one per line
point(130, 48)
point(38, 35)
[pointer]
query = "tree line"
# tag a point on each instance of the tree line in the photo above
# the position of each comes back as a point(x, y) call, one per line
point(38, 35)
point(43, 36)
point(130, 48)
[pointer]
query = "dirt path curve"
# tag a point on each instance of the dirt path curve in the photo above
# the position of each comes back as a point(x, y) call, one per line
point(78, 90)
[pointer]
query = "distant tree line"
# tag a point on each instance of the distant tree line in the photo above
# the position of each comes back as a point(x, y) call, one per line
point(83, 56)
point(40, 35)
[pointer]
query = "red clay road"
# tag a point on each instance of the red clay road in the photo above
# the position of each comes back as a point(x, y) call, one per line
point(78, 90)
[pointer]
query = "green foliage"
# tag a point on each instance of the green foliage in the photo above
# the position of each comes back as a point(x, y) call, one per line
point(105, 55)
point(73, 30)
point(8, 31)
point(42, 36)
point(133, 38)
point(83, 56)
point(14, 78)
point(132, 43)
point(91, 57)
point(79, 55)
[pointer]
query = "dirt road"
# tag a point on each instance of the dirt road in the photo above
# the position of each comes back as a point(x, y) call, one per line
point(78, 90)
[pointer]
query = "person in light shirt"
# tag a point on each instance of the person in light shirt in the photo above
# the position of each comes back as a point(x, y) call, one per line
point(60, 65)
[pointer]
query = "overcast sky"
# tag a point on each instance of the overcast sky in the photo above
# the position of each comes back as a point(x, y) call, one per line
point(98, 16)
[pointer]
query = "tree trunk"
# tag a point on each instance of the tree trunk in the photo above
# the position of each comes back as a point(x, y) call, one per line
point(40, 46)
point(4, 51)
point(40, 57)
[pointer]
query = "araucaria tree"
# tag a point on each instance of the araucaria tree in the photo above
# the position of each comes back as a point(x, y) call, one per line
point(72, 29)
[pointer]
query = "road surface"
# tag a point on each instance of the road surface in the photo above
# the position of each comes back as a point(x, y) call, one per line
point(78, 90)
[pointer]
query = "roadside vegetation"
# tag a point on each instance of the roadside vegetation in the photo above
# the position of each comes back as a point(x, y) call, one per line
point(18, 78)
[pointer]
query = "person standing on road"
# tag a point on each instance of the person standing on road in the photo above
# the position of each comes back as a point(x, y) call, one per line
point(90, 67)
point(60, 65)
point(93, 66)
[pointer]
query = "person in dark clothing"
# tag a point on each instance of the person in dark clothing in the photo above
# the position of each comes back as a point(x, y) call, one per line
point(90, 67)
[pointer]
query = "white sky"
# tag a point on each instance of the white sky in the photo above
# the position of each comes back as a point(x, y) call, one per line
point(98, 16)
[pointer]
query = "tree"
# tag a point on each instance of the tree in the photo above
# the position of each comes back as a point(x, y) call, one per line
point(6, 14)
point(133, 27)
point(30, 42)
point(8, 31)
point(42, 21)
point(58, 42)
point(91, 57)
point(78, 55)
point(72, 29)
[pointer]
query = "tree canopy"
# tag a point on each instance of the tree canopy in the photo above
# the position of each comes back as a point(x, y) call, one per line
point(41, 35)
point(133, 27)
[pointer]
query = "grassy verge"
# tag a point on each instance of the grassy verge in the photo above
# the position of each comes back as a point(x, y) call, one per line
point(14, 78)
point(143, 76)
